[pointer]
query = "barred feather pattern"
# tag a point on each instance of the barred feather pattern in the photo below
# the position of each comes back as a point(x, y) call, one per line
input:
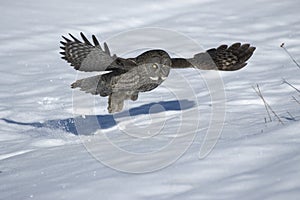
point(85, 56)
point(223, 58)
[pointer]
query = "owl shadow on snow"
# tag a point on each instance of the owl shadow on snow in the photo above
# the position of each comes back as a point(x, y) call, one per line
point(89, 124)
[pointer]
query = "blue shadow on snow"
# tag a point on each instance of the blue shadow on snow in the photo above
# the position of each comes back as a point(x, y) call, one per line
point(89, 125)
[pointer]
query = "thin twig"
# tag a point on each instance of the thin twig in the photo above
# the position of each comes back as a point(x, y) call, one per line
point(264, 101)
point(267, 106)
point(296, 99)
point(282, 46)
point(285, 81)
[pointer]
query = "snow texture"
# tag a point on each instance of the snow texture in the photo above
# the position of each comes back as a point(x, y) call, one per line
point(42, 155)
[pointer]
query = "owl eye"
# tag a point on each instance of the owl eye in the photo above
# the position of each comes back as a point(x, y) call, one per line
point(155, 66)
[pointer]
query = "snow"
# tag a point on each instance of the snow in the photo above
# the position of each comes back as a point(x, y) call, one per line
point(62, 144)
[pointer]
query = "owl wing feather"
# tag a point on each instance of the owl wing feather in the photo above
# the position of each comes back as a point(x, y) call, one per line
point(87, 57)
point(223, 58)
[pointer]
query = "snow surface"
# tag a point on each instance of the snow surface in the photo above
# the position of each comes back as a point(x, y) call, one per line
point(43, 157)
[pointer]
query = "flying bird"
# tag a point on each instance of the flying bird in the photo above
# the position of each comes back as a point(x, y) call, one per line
point(127, 77)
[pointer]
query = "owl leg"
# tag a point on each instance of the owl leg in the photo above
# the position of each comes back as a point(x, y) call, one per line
point(115, 102)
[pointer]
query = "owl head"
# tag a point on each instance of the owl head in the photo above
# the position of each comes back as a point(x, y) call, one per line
point(155, 64)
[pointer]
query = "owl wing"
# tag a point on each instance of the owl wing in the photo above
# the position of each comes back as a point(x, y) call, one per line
point(223, 58)
point(88, 57)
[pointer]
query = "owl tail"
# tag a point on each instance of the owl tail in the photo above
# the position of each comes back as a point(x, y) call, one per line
point(94, 85)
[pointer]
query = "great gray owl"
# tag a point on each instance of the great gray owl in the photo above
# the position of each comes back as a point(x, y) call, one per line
point(128, 77)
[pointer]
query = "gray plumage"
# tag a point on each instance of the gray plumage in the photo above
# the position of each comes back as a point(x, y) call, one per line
point(128, 77)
